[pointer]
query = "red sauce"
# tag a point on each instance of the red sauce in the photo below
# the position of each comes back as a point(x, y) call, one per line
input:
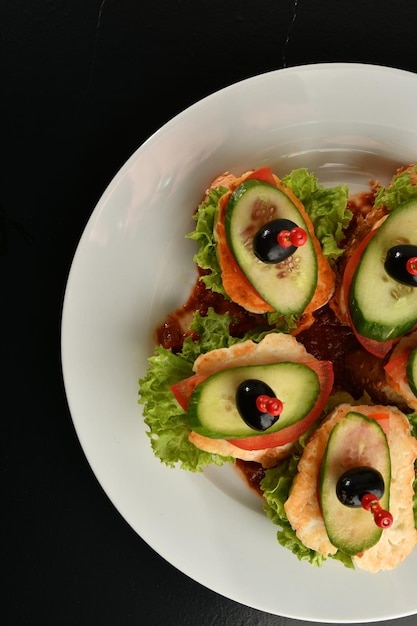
point(329, 340)
point(171, 333)
point(252, 473)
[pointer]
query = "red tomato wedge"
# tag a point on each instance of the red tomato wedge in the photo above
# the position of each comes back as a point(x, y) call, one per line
point(324, 371)
point(183, 390)
point(397, 366)
point(382, 419)
point(377, 348)
point(263, 173)
point(352, 264)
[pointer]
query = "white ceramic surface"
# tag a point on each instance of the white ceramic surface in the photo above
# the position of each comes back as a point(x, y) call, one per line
point(346, 122)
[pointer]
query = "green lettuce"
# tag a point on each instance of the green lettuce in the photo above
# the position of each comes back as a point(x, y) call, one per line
point(403, 187)
point(203, 234)
point(326, 207)
point(166, 420)
point(276, 486)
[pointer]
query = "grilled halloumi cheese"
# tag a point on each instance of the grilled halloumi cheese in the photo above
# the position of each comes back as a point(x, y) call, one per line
point(303, 506)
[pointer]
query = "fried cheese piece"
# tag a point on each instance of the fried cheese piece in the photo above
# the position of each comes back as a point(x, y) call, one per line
point(268, 457)
point(303, 507)
point(274, 348)
point(398, 541)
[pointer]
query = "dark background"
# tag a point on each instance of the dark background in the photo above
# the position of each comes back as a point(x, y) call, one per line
point(83, 84)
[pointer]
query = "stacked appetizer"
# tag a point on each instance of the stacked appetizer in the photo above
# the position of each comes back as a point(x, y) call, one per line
point(295, 357)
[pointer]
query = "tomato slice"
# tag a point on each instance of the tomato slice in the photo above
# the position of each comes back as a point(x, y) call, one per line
point(377, 348)
point(263, 173)
point(324, 370)
point(183, 390)
point(382, 419)
point(397, 367)
point(352, 264)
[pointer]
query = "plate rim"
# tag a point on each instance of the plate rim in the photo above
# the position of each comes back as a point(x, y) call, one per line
point(114, 182)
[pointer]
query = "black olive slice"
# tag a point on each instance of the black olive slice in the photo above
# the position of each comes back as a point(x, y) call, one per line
point(396, 264)
point(246, 395)
point(266, 246)
point(358, 481)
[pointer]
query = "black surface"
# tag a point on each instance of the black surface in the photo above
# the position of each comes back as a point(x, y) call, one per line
point(83, 84)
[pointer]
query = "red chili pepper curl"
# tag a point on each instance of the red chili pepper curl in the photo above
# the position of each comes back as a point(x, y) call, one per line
point(295, 237)
point(382, 518)
point(411, 266)
point(266, 404)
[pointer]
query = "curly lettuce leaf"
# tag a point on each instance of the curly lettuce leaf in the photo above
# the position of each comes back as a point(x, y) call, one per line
point(166, 420)
point(326, 207)
point(203, 234)
point(276, 487)
point(213, 332)
point(403, 187)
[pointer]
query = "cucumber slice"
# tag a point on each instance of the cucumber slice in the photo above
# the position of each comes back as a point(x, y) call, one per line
point(288, 286)
point(381, 308)
point(411, 371)
point(213, 411)
point(355, 441)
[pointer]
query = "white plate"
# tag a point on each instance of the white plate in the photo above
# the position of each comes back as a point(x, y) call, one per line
point(347, 123)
